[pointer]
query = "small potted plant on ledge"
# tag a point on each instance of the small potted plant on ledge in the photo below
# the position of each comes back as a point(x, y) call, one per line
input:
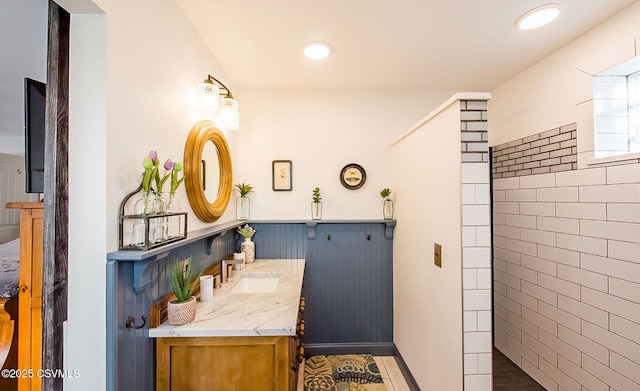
point(243, 203)
point(387, 206)
point(182, 310)
point(316, 205)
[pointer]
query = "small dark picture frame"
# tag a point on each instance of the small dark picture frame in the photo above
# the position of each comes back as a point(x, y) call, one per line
point(353, 176)
point(281, 179)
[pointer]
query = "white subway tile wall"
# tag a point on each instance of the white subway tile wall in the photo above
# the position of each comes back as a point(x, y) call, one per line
point(476, 243)
point(566, 271)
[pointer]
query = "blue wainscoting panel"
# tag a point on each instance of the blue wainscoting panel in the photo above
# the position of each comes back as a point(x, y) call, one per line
point(348, 283)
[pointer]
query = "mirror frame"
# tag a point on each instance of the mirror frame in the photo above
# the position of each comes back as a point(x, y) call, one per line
point(201, 133)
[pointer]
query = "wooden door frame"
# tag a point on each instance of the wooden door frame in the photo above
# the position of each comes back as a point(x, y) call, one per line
point(56, 201)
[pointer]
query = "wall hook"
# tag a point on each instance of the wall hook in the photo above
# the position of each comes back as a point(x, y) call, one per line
point(368, 236)
point(131, 322)
point(329, 237)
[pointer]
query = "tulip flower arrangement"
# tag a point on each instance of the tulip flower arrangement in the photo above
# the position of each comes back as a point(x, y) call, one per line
point(152, 173)
point(175, 182)
point(150, 164)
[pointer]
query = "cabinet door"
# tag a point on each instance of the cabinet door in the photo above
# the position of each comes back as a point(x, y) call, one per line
point(223, 363)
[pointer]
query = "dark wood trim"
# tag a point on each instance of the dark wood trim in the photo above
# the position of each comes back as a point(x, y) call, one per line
point(56, 200)
point(411, 381)
point(374, 348)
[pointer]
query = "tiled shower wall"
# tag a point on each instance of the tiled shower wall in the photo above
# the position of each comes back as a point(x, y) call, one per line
point(476, 246)
point(567, 276)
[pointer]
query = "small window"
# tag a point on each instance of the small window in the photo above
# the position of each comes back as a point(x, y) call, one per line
point(616, 100)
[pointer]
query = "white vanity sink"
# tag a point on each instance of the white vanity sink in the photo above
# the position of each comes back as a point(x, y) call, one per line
point(256, 283)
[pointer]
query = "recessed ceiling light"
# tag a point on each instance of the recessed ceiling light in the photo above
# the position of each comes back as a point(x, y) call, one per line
point(539, 17)
point(316, 50)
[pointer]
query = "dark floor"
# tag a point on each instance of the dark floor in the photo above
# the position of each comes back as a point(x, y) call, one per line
point(508, 377)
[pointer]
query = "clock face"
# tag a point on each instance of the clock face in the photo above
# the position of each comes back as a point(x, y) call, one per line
point(353, 176)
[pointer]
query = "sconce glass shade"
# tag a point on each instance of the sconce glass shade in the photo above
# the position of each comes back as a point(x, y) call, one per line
point(209, 95)
point(228, 114)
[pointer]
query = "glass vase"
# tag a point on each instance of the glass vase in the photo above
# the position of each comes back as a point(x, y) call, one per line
point(387, 209)
point(175, 224)
point(145, 206)
point(248, 247)
point(243, 208)
point(316, 210)
point(158, 226)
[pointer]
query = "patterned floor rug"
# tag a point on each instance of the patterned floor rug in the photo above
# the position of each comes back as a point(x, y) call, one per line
point(351, 372)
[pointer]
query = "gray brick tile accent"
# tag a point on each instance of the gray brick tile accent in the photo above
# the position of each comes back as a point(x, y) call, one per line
point(531, 138)
point(550, 162)
point(560, 152)
point(560, 137)
point(531, 151)
point(540, 143)
point(550, 147)
point(550, 151)
point(541, 170)
point(550, 133)
point(540, 156)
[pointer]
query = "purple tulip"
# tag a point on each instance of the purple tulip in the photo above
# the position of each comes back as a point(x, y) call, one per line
point(168, 165)
point(153, 155)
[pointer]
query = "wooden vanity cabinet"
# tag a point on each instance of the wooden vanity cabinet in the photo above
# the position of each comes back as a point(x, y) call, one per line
point(216, 363)
point(256, 363)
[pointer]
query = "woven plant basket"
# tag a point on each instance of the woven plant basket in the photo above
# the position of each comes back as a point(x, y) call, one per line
point(181, 313)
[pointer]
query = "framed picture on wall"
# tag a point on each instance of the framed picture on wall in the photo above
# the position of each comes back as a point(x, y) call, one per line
point(353, 176)
point(281, 175)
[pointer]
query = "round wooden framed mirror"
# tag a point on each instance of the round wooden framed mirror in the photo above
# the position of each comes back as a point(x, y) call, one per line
point(200, 158)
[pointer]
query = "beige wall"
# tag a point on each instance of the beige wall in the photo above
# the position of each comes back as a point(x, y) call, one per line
point(133, 80)
point(428, 299)
point(321, 132)
point(545, 96)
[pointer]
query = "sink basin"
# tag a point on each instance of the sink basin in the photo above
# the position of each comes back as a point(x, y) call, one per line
point(256, 283)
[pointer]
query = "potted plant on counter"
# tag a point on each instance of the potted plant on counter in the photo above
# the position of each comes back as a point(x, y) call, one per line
point(248, 247)
point(182, 310)
point(316, 205)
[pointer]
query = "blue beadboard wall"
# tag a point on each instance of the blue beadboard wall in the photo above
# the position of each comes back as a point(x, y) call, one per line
point(347, 286)
point(348, 282)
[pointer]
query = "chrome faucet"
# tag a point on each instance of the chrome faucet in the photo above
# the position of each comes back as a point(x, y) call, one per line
point(225, 263)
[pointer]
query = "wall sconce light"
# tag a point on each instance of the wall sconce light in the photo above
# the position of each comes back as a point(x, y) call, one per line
point(216, 96)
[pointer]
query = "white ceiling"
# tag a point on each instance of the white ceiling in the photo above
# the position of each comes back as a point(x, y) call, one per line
point(462, 45)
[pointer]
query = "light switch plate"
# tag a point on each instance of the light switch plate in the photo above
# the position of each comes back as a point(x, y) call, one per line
point(437, 254)
point(183, 264)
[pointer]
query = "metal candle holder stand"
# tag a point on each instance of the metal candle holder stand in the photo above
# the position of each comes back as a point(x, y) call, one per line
point(130, 220)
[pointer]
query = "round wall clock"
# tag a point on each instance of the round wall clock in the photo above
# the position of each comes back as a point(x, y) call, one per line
point(353, 176)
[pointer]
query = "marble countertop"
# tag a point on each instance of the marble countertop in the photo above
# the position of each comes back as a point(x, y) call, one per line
point(247, 314)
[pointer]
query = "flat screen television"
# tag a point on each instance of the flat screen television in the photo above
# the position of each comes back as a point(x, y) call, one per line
point(35, 104)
